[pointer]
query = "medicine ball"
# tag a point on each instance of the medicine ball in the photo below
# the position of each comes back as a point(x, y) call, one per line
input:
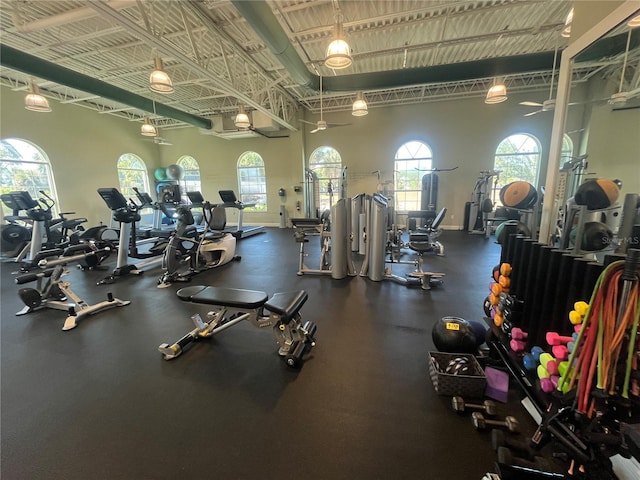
point(597, 194)
point(454, 335)
point(160, 174)
point(518, 194)
point(175, 172)
point(596, 236)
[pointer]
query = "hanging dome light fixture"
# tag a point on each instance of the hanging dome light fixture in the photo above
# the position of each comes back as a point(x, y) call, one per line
point(359, 108)
point(159, 80)
point(34, 101)
point(496, 94)
point(148, 129)
point(242, 119)
point(338, 53)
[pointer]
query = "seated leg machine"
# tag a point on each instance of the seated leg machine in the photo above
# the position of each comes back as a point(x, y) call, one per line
point(231, 306)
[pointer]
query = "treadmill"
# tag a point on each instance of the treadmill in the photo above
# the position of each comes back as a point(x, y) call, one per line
point(229, 200)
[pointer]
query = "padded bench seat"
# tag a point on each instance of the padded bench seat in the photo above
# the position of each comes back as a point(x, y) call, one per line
point(225, 297)
point(286, 304)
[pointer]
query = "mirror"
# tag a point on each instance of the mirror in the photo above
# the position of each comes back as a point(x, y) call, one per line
point(590, 72)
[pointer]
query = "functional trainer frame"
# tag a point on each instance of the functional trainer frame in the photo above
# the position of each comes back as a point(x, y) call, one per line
point(232, 306)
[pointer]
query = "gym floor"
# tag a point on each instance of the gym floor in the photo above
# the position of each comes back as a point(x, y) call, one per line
point(99, 402)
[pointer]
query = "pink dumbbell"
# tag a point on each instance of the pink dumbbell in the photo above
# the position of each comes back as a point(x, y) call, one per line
point(518, 334)
point(560, 352)
point(554, 339)
point(517, 345)
point(548, 385)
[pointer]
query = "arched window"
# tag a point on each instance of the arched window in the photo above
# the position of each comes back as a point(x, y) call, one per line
point(191, 174)
point(412, 160)
point(252, 182)
point(567, 148)
point(517, 158)
point(326, 163)
point(24, 166)
point(132, 172)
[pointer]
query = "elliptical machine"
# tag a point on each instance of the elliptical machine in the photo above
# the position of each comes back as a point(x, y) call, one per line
point(189, 252)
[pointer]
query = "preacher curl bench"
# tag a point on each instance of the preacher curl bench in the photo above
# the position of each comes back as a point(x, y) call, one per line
point(232, 306)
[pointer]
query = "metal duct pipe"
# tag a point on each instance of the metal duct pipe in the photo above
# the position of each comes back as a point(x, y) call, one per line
point(23, 62)
point(261, 19)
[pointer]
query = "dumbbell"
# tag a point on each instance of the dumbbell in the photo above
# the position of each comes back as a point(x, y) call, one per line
point(553, 338)
point(481, 423)
point(549, 363)
point(531, 360)
point(517, 345)
point(518, 334)
point(560, 351)
point(499, 439)
point(459, 405)
point(548, 385)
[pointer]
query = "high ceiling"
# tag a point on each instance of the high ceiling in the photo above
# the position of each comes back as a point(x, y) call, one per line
point(218, 62)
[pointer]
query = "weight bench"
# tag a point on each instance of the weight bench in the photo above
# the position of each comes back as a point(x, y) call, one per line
point(233, 305)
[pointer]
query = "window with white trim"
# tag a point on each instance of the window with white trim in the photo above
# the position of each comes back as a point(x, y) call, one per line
point(252, 181)
point(517, 158)
point(25, 167)
point(191, 170)
point(132, 172)
point(326, 163)
point(413, 161)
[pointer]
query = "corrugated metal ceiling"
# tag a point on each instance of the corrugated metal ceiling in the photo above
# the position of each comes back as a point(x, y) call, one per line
point(217, 62)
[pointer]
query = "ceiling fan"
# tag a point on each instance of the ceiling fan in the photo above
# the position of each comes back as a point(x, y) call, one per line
point(621, 97)
point(549, 104)
point(322, 124)
point(158, 140)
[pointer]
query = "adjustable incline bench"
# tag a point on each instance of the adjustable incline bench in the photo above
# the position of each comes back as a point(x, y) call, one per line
point(231, 306)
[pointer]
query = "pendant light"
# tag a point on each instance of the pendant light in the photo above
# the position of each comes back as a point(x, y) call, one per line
point(338, 53)
point(496, 94)
point(566, 31)
point(148, 129)
point(359, 108)
point(159, 80)
point(34, 101)
point(242, 119)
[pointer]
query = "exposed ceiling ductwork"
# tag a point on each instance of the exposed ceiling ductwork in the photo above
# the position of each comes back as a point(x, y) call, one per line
point(261, 19)
point(31, 65)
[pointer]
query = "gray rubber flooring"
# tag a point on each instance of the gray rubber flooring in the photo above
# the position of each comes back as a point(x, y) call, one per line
point(99, 402)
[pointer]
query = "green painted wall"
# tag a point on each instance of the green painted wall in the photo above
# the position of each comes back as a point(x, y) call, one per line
point(84, 146)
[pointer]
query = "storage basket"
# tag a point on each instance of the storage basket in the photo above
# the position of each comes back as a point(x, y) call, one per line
point(471, 385)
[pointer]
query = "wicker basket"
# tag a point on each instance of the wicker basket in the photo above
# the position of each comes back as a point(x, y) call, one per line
point(469, 386)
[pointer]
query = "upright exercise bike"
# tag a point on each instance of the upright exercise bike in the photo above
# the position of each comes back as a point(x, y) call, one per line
point(189, 252)
point(127, 214)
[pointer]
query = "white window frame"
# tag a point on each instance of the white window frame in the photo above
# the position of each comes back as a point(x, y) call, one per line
point(413, 160)
point(252, 182)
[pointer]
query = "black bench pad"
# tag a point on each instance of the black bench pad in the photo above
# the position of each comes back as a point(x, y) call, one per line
point(286, 304)
point(225, 297)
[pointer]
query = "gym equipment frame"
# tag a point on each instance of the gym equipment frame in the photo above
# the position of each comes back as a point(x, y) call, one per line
point(229, 200)
point(232, 306)
point(52, 292)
